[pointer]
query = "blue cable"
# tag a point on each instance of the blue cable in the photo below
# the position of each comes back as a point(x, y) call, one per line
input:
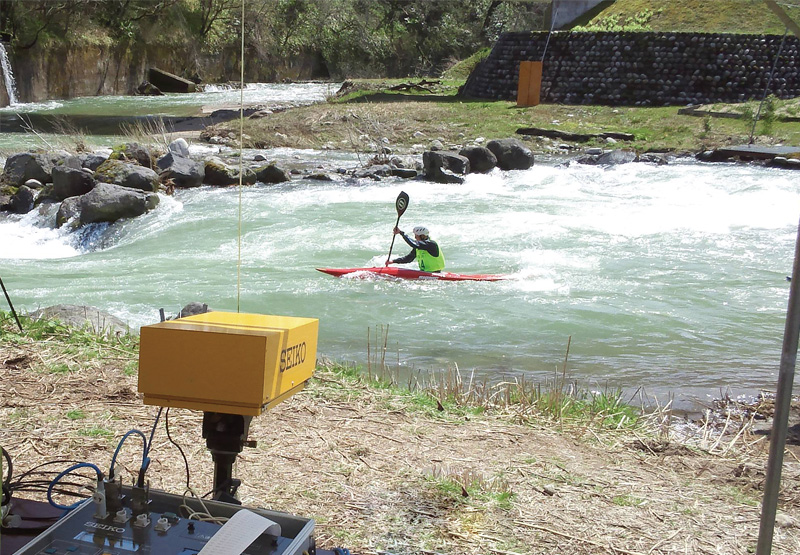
point(64, 473)
point(341, 551)
point(145, 450)
point(119, 446)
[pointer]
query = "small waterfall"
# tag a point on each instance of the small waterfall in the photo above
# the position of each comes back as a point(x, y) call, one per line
point(8, 76)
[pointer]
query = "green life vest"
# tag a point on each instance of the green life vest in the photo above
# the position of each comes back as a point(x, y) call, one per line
point(428, 263)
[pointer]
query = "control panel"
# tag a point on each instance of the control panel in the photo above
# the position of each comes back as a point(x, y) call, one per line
point(163, 527)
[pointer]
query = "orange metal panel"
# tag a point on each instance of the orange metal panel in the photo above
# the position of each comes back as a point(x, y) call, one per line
point(530, 83)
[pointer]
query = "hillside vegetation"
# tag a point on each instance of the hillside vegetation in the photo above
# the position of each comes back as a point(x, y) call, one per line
point(342, 38)
point(717, 16)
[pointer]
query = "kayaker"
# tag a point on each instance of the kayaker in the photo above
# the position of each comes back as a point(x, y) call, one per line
point(427, 252)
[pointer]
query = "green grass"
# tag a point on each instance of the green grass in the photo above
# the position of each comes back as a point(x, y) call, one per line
point(81, 342)
point(61, 368)
point(448, 395)
point(627, 500)
point(717, 16)
point(76, 414)
point(461, 70)
point(97, 433)
point(131, 368)
point(406, 120)
point(467, 487)
point(743, 497)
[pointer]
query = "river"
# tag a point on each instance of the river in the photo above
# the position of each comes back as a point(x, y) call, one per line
point(669, 281)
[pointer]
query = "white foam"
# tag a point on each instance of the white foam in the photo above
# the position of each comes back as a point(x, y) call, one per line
point(23, 238)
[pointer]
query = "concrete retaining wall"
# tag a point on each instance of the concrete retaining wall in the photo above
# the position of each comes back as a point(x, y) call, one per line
point(641, 69)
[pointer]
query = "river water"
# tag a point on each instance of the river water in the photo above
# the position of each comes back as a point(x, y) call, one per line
point(669, 280)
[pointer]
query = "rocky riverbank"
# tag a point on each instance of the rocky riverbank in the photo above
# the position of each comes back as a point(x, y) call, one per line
point(382, 470)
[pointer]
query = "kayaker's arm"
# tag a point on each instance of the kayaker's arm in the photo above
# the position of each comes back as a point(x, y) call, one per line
point(405, 259)
point(426, 245)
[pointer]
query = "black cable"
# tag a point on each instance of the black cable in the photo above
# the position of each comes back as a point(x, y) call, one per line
point(43, 484)
point(169, 437)
point(35, 469)
point(5, 498)
point(10, 465)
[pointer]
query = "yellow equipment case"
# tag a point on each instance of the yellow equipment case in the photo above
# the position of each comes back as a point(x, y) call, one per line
point(226, 362)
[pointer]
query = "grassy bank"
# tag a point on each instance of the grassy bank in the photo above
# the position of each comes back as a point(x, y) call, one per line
point(719, 16)
point(435, 468)
point(374, 115)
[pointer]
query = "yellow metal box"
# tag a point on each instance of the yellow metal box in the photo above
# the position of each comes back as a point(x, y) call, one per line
point(226, 362)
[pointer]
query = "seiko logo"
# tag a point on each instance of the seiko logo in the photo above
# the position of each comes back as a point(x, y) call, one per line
point(293, 356)
point(107, 527)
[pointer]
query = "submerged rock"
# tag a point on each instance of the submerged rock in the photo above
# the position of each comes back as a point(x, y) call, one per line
point(272, 174)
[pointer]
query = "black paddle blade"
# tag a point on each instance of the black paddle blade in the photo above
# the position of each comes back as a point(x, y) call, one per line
point(401, 203)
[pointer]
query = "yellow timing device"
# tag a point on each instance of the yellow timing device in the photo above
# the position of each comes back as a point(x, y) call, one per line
point(226, 362)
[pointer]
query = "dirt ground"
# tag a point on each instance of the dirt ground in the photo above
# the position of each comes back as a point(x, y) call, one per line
point(380, 475)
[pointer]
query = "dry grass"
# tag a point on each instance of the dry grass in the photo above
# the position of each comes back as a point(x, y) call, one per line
point(382, 472)
point(411, 124)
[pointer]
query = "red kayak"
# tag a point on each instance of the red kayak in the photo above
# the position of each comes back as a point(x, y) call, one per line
point(406, 273)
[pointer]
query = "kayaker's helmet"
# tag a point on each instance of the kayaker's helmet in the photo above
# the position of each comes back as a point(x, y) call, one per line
point(422, 231)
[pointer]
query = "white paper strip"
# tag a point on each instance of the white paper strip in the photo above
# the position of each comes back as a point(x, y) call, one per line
point(238, 533)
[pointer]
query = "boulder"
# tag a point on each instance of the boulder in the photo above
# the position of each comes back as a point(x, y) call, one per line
point(92, 161)
point(34, 184)
point(481, 159)
point(22, 201)
point(511, 154)
point(69, 210)
point(109, 203)
point(83, 317)
point(127, 175)
point(23, 166)
point(405, 173)
point(193, 308)
point(180, 147)
point(69, 182)
point(73, 162)
point(272, 174)
point(146, 88)
point(444, 167)
point(220, 174)
point(184, 172)
point(45, 195)
point(133, 152)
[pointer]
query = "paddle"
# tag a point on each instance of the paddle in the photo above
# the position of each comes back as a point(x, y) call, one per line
point(400, 204)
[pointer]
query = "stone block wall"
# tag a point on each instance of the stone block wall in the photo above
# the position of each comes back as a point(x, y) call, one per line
point(641, 69)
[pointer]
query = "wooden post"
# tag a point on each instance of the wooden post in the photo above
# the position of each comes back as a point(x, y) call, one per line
point(530, 83)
